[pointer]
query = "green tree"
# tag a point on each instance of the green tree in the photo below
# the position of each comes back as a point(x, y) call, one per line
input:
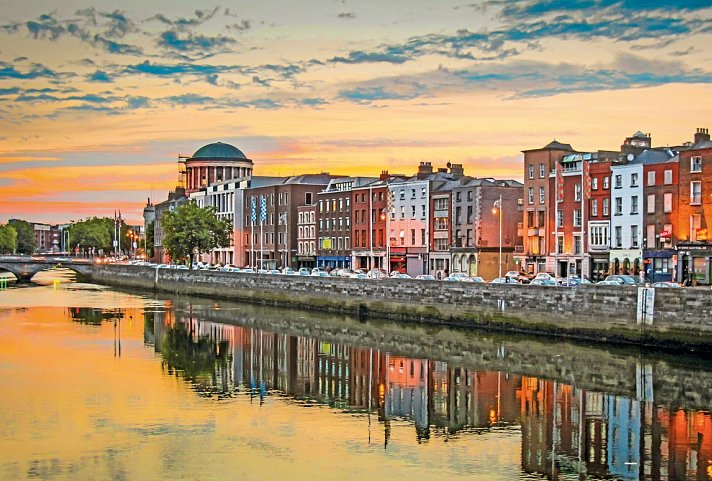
point(25, 236)
point(191, 229)
point(8, 239)
point(96, 232)
point(149, 239)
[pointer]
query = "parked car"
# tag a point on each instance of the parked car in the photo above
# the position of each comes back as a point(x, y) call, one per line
point(667, 284)
point(274, 272)
point(359, 275)
point(545, 275)
point(247, 270)
point(342, 272)
point(609, 283)
point(376, 274)
point(499, 280)
point(625, 279)
point(543, 282)
point(303, 271)
point(425, 277)
point(319, 274)
point(402, 275)
point(318, 269)
point(288, 271)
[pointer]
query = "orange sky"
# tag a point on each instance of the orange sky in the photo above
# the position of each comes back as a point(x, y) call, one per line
point(97, 103)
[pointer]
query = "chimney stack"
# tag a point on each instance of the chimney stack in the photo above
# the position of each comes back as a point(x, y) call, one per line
point(424, 169)
point(456, 170)
point(384, 175)
point(702, 135)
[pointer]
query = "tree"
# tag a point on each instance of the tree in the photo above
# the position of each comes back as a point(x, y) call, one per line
point(25, 236)
point(191, 229)
point(8, 239)
point(96, 232)
point(149, 239)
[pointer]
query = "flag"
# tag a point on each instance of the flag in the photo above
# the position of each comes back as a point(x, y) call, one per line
point(263, 209)
point(253, 214)
point(586, 179)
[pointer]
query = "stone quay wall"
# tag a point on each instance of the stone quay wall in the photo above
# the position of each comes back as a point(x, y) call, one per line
point(679, 318)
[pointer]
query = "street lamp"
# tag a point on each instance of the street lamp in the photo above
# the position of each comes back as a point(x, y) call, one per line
point(497, 208)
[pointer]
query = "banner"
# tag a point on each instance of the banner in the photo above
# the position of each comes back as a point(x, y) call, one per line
point(253, 214)
point(263, 209)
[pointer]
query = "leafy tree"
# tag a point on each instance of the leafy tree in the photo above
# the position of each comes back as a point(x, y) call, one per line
point(93, 232)
point(191, 229)
point(149, 239)
point(25, 236)
point(8, 239)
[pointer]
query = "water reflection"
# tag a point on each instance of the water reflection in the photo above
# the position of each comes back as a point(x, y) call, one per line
point(566, 432)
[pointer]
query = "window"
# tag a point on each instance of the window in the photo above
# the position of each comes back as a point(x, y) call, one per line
point(651, 177)
point(695, 223)
point(619, 236)
point(301, 218)
point(594, 208)
point(422, 211)
point(667, 179)
point(577, 193)
point(650, 236)
point(577, 245)
point(423, 195)
point(560, 218)
point(594, 183)
point(651, 203)
point(402, 212)
point(667, 202)
point(605, 207)
point(412, 237)
point(634, 236)
point(412, 193)
point(695, 192)
point(696, 164)
point(619, 181)
point(402, 194)
point(321, 206)
point(542, 171)
point(341, 205)
point(530, 169)
point(441, 204)
point(440, 244)
point(619, 205)
point(541, 195)
point(605, 183)
point(634, 204)
point(634, 180)
point(560, 244)
point(412, 211)
point(469, 196)
point(598, 236)
point(531, 195)
point(577, 217)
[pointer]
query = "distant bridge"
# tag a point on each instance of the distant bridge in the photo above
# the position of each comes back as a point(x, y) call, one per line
point(25, 267)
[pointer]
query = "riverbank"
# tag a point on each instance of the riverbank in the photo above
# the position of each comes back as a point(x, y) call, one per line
point(673, 319)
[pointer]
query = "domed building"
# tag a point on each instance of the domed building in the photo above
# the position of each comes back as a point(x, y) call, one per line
point(212, 163)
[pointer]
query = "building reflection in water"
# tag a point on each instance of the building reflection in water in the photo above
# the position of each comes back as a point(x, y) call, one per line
point(566, 432)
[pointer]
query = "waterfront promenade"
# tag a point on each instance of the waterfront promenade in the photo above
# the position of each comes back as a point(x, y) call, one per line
point(676, 319)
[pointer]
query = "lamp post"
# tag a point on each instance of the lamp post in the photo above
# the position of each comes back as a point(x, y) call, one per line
point(497, 208)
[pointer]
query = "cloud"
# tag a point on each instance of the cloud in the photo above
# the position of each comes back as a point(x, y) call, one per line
point(182, 23)
point(182, 42)
point(537, 8)
point(347, 16)
point(100, 76)
point(241, 26)
point(35, 71)
point(393, 90)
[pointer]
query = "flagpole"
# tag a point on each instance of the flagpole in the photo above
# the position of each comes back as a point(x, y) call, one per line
point(556, 223)
point(262, 221)
point(583, 215)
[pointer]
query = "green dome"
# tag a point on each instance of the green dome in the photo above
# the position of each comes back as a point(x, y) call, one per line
point(218, 150)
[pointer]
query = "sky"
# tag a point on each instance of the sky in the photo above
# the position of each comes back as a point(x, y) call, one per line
point(97, 102)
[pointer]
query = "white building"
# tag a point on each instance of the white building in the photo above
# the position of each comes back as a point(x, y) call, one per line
point(626, 248)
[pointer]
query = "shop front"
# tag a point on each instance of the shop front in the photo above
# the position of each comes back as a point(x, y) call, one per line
point(627, 262)
point(334, 262)
point(694, 263)
point(659, 265)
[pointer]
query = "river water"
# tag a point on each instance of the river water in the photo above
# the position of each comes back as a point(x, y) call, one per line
point(101, 384)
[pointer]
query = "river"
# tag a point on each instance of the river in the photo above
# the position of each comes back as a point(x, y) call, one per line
point(99, 384)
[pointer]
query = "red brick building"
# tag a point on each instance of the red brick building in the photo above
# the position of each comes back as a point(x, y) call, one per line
point(368, 218)
point(695, 210)
point(539, 170)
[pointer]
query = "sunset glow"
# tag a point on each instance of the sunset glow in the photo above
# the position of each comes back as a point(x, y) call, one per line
point(97, 103)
